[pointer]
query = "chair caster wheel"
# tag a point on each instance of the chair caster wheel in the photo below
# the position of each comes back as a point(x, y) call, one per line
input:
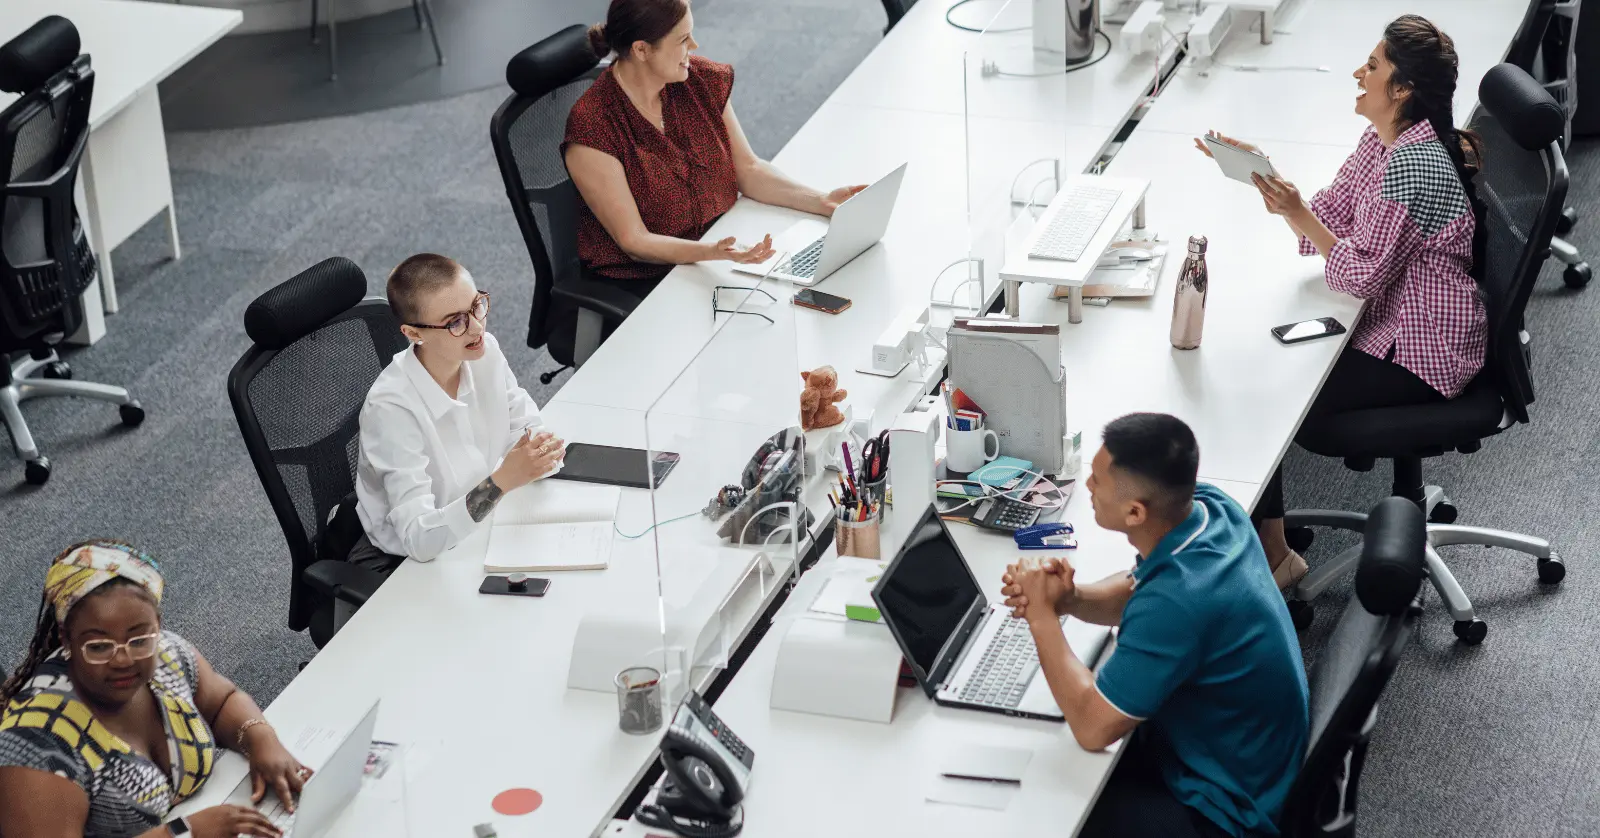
point(1551, 570)
point(57, 369)
point(1577, 276)
point(37, 471)
point(1444, 512)
point(132, 414)
point(1299, 538)
point(1567, 220)
point(1471, 632)
point(547, 377)
point(1302, 613)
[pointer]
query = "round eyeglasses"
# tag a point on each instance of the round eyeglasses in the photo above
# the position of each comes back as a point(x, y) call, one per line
point(456, 325)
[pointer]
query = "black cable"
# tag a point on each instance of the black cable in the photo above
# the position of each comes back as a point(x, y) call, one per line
point(958, 4)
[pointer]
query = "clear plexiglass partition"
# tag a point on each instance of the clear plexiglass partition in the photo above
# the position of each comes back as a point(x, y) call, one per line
point(727, 522)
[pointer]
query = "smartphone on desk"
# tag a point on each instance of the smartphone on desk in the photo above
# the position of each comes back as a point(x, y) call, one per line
point(814, 299)
point(504, 586)
point(1305, 330)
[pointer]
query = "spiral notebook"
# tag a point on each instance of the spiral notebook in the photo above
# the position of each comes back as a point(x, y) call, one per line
point(553, 526)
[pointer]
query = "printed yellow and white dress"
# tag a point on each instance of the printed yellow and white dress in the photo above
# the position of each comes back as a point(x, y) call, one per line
point(47, 728)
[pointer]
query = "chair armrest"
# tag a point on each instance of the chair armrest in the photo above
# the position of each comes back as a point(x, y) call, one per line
point(608, 298)
point(342, 580)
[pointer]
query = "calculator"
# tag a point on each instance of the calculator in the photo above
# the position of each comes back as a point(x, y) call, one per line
point(1005, 514)
point(702, 723)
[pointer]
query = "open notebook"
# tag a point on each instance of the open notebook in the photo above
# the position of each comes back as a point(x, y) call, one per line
point(543, 527)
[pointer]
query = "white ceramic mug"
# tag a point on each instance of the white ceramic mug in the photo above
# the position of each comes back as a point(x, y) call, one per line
point(967, 451)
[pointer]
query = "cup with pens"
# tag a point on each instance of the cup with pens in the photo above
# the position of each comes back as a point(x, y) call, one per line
point(857, 513)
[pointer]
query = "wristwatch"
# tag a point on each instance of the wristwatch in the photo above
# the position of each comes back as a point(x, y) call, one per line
point(178, 827)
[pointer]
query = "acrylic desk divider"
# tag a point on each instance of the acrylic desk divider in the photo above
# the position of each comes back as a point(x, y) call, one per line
point(728, 522)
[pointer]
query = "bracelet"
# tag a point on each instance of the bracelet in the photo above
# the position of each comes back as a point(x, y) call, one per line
point(245, 728)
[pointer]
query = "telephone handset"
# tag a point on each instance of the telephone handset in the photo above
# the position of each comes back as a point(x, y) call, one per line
point(708, 771)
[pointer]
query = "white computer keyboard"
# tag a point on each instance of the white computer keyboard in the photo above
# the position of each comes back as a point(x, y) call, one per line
point(1083, 209)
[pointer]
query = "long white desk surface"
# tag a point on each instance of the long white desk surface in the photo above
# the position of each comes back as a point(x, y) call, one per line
point(1298, 105)
point(821, 775)
point(132, 44)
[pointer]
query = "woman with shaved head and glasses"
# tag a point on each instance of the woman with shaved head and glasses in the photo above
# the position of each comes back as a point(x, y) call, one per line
point(110, 721)
point(446, 430)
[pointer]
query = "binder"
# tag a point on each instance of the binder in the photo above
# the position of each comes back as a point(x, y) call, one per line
point(1014, 371)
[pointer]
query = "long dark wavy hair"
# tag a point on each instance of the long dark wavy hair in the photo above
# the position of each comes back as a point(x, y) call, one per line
point(47, 630)
point(1425, 63)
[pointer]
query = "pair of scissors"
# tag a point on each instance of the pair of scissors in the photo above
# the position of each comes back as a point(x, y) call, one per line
point(875, 458)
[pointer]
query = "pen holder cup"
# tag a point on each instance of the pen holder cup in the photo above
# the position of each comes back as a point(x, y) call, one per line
point(639, 699)
point(879, 488)
point(857, 538)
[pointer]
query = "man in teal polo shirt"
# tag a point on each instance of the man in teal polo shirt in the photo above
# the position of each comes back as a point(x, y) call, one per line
point(1206, 674)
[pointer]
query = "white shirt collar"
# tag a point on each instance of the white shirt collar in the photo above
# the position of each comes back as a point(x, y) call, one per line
point(433, 396)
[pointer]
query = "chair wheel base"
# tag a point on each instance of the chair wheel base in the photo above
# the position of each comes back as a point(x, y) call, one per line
point(1471, 632)
point(37, 472)
point(1302, 613)
point(1552, 570)
point(1577, 276)
point(132, 414)
point(1444, 512)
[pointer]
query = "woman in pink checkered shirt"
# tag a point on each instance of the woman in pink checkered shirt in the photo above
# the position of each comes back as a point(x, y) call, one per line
point(1397, 229)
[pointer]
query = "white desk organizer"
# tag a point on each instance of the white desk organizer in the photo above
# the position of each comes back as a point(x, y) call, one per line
point(839, 668)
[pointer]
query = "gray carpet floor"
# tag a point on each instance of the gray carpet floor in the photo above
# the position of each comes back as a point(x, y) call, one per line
point(1496, 740)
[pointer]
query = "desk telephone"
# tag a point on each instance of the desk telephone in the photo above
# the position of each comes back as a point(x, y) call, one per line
point(708, 772)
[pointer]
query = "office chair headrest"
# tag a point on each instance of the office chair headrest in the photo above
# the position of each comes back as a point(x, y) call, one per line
point(42, 50)
point(301, 304)
point(1524, 109)
point(1392, 557)
point(552, 62)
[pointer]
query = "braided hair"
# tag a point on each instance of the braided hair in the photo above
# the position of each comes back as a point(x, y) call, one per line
point(47, 631)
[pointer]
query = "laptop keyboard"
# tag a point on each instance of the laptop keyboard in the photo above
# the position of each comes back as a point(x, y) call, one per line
point(1006, 667)
point(804, 263)
point(272, 808)
point(1083, 210)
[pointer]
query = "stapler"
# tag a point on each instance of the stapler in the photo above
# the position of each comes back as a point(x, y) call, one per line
point(1057, 536)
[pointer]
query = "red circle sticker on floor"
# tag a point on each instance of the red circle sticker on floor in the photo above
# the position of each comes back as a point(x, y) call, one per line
point(517, 801)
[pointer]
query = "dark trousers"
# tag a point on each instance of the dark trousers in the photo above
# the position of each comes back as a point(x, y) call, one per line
point(1358, 381)
point(1137, 803)
point(366, 555)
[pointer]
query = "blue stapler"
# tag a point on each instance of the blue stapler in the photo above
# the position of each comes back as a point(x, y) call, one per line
point(1045, 537)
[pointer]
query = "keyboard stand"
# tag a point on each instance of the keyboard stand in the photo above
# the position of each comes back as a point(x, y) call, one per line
point(1011, 289)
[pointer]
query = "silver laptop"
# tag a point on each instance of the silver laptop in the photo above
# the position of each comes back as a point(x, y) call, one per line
point(326, 794)
point(816, 248)
point(964, 651)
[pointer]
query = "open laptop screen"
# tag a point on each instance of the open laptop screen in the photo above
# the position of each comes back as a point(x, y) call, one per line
point(927, 592)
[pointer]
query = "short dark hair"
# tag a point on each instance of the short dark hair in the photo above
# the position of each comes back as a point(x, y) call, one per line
point(1160, 451)
point(416, 278)
point(628, 21)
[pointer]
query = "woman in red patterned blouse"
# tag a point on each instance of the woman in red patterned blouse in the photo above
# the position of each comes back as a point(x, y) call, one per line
point(658, 156)
point(1397, 229)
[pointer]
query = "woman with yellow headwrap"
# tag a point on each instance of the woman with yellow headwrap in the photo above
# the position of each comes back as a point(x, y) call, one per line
point(110, 721)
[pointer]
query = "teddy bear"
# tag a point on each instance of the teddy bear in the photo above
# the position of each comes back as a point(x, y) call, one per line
point(818, 399)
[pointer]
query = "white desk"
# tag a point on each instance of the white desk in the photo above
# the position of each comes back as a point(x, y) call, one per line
point(819, 775)
point(1273, 106)
point(133, 46)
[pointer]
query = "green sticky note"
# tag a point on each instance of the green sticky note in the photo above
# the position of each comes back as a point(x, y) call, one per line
point(864, 613)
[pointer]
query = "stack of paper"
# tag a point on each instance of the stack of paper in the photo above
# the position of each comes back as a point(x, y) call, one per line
point(545, 527)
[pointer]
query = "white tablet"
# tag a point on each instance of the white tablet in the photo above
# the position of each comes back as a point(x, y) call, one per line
point(1238, 163)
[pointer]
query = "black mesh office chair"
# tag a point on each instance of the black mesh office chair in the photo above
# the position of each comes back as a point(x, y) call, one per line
point(1523, 185)
point(45, 260)
point(896, 9)
point(1546, 46)
point(572, 313)
point(297, 395)
point(1353, 669)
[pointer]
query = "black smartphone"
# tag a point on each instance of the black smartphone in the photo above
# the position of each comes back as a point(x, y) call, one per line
point(1307, 330)
point(812, 298)
point(501, 586)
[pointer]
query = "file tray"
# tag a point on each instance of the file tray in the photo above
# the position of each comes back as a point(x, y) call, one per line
point(1002, 366)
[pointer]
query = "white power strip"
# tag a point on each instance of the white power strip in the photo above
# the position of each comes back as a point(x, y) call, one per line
point(1142, 33)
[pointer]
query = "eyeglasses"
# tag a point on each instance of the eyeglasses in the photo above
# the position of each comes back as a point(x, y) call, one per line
point(457, 324)
point(102, 651)
point(716, 310)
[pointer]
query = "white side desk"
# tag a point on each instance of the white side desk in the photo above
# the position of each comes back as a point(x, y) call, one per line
point(132, 46)
point(1298, 105)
